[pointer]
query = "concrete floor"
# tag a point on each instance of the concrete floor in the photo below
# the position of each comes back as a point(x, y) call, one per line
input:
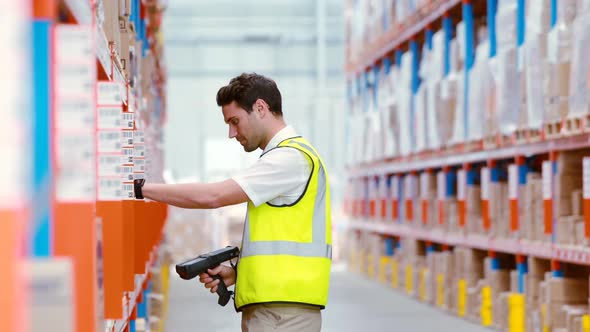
point(355, 304)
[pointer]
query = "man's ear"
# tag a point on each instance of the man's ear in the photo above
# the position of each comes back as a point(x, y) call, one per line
point(261, 107)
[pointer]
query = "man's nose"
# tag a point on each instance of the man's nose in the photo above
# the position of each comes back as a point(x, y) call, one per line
point(232, 132)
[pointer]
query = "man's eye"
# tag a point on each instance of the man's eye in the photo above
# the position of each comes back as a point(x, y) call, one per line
point(235, 122)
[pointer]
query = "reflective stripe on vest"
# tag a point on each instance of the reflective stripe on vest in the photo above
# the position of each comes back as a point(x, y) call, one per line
point(317, 248)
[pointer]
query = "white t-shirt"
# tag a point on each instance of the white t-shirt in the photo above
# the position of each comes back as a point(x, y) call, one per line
point(279, 177)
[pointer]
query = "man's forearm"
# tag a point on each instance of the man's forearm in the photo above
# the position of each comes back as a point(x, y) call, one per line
point(186, 195)
point(196, 195)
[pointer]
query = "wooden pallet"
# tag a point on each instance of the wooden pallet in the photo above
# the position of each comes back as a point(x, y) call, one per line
point(576, 125)
point(492, 142)
point(527, 135)
point(553, 129)
point(474, 145)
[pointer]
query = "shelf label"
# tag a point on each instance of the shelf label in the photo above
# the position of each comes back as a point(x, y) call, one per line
point(128, 192)
point(461, 184)
point(109, 141)
point(547, 175)
point(110, 189)
point(513, 181)
point(485, 183)
point(139, 166)
point(74, 114)
point(139, 137)
point(127, 137)
point(441, 185)
point(138, 151)
point(128, 155)
point(126, 172)
point(73, 43)
point(109, 93)
point(75, 184)
point(127, 121)
point(74, 79)
point(110, 117)
point(109, 165)
point(586, 177)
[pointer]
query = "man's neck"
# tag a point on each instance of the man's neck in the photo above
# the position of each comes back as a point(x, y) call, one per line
point(273, 131)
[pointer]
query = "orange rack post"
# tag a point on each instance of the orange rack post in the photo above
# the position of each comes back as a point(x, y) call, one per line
point(586, 186)
point(485, 196)
point(547, 174)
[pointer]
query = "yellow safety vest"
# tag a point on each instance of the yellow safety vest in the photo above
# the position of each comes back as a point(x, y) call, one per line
point(287, 250)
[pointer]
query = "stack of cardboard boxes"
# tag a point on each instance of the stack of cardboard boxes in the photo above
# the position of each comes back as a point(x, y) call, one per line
point(473, 209)
point(499, 210)
point(562, 300)
point(567, 196)
point(537, 269)
point(532, 218)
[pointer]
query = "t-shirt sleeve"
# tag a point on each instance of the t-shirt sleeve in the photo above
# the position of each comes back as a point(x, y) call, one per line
point(277, 172)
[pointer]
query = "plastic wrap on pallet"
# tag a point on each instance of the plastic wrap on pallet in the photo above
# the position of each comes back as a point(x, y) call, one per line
point(404, 96)
point(437, 67)
point(456, 111)
point(432, 80)
point(458, 54)
point(538, 17)
point(390, 118)
point(420, 118)
point(458, 130)
point(579, 79)
point(559, 55)
point(448, 92)
point(435, 110)
point(506, 69)
point(383, 99)
point(479, 78)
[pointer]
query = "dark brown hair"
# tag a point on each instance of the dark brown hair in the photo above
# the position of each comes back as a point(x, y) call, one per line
point(247, 88)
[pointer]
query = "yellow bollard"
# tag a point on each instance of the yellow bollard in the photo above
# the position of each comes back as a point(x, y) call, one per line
point(409, 277)
point(586, 323)
point(361, 262)
point(516, 313)
point(461, 297)
point(422, 286)
point(544, 318)
point(394, 274)
point(370, 266)
point(486, 306)
point(383, 268)
point(440, 290)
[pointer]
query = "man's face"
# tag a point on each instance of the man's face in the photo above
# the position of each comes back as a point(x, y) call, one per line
point(243, 126)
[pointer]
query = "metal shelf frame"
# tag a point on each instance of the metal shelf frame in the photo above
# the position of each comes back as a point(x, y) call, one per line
point(563, 253)
point(442, 159)
point(400, 34)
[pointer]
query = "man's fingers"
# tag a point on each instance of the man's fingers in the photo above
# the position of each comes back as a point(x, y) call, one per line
point(212, 284)
point(214, 289)
point(215, 271)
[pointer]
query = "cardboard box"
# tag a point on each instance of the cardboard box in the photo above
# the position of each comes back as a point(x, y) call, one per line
point(565, 230)
point(566, 290)
point(577, 203)
point(111, 22)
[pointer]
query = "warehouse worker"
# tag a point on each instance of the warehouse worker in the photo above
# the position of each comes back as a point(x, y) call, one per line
point(283, 272)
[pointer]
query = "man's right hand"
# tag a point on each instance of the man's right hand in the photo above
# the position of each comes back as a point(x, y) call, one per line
point(227, 274)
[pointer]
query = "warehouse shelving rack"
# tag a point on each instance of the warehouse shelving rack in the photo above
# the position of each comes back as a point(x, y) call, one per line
point(114, 246)
point(362, 206)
